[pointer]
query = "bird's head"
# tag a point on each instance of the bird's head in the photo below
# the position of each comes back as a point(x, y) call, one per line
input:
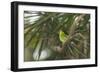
point(60, 31)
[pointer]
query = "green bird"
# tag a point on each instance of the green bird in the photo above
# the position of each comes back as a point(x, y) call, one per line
point(62, 36)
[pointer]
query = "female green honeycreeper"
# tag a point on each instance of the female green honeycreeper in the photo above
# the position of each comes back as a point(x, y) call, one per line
point(62, 36)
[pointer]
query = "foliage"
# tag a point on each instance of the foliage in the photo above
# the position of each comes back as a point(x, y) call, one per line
point(41, 32)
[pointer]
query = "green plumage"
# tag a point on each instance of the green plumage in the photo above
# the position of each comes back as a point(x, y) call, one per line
point(62, 36)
